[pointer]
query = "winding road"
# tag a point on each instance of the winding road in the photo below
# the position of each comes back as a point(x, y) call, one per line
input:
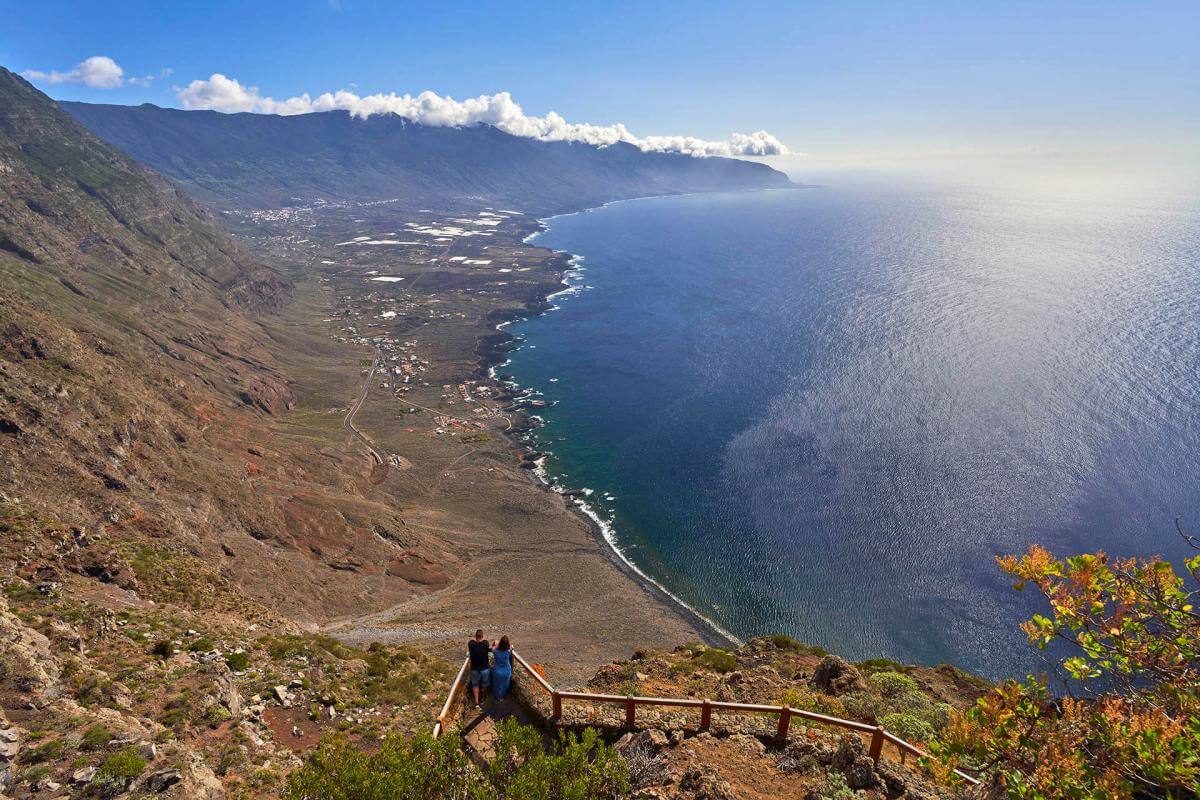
point(348, 420)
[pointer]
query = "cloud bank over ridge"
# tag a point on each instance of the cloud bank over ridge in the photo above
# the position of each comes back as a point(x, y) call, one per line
point(221, 93)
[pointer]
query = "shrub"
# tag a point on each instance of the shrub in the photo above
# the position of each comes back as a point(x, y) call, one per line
point(580, 767)
point(909, 727)
point(920, 706)
point(123, 765)
point(834, 787)
point(867, 706)
point(717, 660)
point(237, 661)
point(813, 701)
point(1131, 724)
point(881, 665)
point(784, 642)
point(424, 768)
point(201, 645)
point(35, 774)
point(95, 737)
point(892, 684)
point(46, 751)
point(163, 649)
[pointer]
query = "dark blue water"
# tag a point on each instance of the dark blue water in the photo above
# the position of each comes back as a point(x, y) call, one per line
point(825, 411)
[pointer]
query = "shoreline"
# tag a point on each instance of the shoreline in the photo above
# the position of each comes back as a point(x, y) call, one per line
point(485, 540)
point(604, 531)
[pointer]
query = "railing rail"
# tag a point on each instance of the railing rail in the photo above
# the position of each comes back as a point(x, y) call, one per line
point(878, 734)
point(456, 688)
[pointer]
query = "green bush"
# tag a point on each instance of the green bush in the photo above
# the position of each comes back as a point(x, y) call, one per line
point(95, 737)
point(909, 727)
point(834, 787)
point(867, 706)
point(785, 642)
point(892, 684)
point(46, 751)
point(237, 661)
point(881, 665)
point(816, 702)
point(123, 765)
point(717, 660)
point(201, 645)
point(35, 774)
point(424, 768)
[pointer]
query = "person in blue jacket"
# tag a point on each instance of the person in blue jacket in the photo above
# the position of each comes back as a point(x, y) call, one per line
point(501, 668)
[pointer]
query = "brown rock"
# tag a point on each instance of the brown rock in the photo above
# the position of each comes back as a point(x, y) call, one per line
point(271, 396)
point(851, 760)
point(837, 676)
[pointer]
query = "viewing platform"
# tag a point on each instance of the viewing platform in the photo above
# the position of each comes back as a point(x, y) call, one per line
point(533, 700)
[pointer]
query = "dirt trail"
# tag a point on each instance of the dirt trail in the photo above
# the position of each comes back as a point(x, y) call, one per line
point(348, 420)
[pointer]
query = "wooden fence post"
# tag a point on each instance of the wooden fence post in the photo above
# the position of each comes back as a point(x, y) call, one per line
point(630, 711)
point(556, 699)
point(785, 718)
point(876, 745)
point(705, 715)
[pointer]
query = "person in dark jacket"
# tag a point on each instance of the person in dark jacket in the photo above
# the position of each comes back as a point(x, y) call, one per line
point(479, 648)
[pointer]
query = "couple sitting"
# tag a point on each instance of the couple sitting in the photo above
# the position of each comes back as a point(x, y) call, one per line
point(483, 674)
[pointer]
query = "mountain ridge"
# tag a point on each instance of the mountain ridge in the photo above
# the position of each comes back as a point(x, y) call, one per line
point(259, 161)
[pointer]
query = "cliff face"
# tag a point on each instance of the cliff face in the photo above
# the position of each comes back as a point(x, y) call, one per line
point(257, 160)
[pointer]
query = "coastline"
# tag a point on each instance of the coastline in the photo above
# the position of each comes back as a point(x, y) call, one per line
point(483, 540)
point(604, 530)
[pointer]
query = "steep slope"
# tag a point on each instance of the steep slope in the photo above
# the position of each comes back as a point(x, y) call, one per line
point(257, 160)
point(138, 384)
point(166, 523)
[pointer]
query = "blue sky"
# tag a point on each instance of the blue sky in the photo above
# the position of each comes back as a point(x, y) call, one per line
point(845, 83)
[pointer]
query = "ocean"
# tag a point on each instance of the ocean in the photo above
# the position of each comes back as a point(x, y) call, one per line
point(825, 411)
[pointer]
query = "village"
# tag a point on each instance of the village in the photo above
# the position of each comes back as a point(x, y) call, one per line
point(417, 291)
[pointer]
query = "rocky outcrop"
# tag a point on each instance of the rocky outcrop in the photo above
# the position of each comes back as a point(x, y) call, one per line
point(837, 676)
point(268, 394)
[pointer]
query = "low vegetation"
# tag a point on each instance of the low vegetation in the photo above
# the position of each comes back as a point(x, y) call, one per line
point(1129, 723)
point(424, 768)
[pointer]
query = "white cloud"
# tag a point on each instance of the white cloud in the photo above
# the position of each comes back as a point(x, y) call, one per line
point(221, 93)
point(98, 72)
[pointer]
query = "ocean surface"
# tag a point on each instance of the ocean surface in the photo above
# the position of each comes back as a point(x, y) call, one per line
point(825, 411)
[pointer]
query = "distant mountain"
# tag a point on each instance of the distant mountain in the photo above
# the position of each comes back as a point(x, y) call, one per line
point(259, 160)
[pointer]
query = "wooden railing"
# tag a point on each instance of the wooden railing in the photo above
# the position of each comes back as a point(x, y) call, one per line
point(456, 689)
point(785, 713)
